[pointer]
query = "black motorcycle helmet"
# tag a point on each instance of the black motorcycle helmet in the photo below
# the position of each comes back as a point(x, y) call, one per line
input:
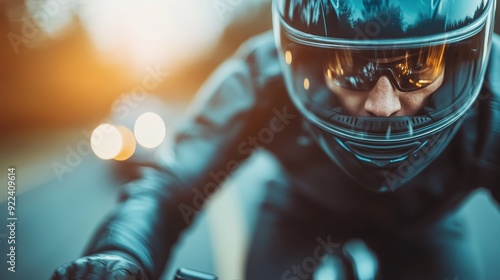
point(328, 46)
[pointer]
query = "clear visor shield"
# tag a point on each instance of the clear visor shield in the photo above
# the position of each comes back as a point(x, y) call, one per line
point(387, 94)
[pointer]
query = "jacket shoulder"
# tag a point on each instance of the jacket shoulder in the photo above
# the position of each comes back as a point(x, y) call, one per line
point(488, 153)
point(261, 56)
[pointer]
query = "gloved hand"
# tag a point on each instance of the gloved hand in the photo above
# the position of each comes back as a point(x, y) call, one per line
point(107, 265)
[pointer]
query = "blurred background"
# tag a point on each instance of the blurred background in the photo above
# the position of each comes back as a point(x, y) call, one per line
point(67, 66)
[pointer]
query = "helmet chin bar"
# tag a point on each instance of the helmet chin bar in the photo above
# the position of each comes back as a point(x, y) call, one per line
point(383, 167)
point(380, 156)
point(380, 168)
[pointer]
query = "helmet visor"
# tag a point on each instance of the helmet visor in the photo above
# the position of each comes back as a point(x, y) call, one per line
point(435, 79)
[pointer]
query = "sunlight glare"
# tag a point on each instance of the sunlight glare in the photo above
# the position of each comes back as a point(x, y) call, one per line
point(106, 141)
point(149, 130)
point(128, 147)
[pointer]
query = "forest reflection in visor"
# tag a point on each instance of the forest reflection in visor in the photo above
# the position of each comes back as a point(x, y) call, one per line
point(359, 71)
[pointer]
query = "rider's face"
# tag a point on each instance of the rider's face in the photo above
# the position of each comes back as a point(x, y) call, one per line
point(384, 100)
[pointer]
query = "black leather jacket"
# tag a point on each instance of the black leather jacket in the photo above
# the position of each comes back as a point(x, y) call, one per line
point(245, 105)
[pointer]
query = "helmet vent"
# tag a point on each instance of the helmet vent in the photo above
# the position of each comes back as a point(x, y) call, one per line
point(380, 124)
point(420, 120)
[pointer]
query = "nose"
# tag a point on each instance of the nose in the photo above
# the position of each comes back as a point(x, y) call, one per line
point(382, 100)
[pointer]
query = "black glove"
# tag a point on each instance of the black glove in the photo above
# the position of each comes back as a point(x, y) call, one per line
point(108, 265)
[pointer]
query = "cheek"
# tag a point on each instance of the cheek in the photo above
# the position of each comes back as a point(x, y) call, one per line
point(352, 102)
point(413, 102)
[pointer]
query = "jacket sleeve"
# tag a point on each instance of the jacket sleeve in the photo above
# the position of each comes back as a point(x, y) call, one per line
point(210, 143)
